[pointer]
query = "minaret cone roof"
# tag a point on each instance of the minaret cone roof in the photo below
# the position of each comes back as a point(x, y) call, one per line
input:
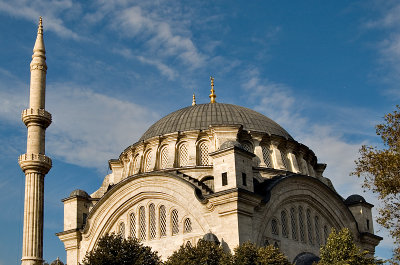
point(39, 49)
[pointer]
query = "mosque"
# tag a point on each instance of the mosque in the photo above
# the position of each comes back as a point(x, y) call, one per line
point(216, 171)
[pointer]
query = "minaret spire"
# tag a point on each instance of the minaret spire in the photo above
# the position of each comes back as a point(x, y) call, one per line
point(212, 95)
point(194, 100)
point(35, 163)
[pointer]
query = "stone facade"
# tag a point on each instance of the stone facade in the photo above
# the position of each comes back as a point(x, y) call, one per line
point(228, 177)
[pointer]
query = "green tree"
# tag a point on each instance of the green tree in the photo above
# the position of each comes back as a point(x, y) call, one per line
point(249, 254)
point(381, 171)
point(114, 250)
point(204, 253)
point(340, 249)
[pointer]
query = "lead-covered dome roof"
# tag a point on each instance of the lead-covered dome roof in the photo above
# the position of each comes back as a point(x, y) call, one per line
point(201, 116)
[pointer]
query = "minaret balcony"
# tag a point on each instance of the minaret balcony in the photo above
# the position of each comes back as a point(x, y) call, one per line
point(35, 162)
point(36, 116)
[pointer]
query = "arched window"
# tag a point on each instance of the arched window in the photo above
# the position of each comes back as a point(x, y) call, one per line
point(136, 164)
point(142, 223)
point(284, 158)
point(187, 226)
point(284, 224)
point(183, 155)
point(301, 225)
point(203, 153)
point(317, 235)
point(293, 223)
point(309, 227)
point(274, 227)
point(132, 220)
point(164, 157)
point(174, 222)
point(326, 234)
point(148, 161)
point(152, 221)
point(247, 146)
point(163, 221)
point(121, 230)
point(266, 156)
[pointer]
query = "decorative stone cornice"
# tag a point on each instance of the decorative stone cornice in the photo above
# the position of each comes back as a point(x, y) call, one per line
point(36, 117)
point(35, 162)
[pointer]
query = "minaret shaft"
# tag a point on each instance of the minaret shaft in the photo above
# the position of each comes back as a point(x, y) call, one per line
point(35, 163)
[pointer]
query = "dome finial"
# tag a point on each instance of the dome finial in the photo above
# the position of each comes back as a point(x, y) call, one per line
point(40, 27)
point(194, 100)
point(212, 95)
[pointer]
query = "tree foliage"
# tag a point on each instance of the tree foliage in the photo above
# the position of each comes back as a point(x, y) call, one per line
point(381, 171)
point(114, 250)
point(204, 253)
point(340, 249)
point(249, 254)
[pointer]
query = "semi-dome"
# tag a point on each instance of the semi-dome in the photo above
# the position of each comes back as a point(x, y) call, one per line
point(201, 116)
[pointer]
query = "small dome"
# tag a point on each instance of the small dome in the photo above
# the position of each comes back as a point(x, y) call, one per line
point(201, 116)
point(355, 198)
point(80, 193)
point(229, 144)
point(57, 262)
point(211, 238)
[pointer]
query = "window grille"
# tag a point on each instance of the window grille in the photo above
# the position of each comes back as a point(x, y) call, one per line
point(164, 157)
point(121, 231)
point(293, 223)
point(163, 221)
point(284, 158)
point(148, 161)
point(152, 220)
point(284, 224)
point(183, 155)
point(326, 233)
point(203, 154)
point(136, 164)
point(187, 226)
point(309, 227)
point(133, 225)
point(266, 156)
point(174, 222)
point(142, 223)
point(317, 236)
point(247, 146)
point(274, 227)
point(301, 225)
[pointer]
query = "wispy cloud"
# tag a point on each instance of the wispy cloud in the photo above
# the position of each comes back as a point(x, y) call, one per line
point(50, 10)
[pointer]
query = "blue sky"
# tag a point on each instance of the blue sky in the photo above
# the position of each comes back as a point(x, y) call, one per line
point(327, 71)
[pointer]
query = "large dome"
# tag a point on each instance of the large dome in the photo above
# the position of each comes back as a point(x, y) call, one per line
point(200, 117)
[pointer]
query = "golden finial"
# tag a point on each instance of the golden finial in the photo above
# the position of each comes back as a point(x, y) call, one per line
point(194, 100)
point(212, 95)
point(40, 27)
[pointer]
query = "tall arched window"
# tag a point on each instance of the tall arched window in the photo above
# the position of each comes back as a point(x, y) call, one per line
point(163, 221)
point(164, 157)
point(187, 226)
point(132, 221)
point(174, 222)
point(326, 234)
point(183, 155)
point(203, 153)
point(274, 227)
point(284, 158)
point(317, 234)
point(152, 221)
point(136, 164)
point(148, 161)
point(266, 156)
point(309, 227)
point(142, 223)
point(293, 223)
point(284, 224)
point(301, 225)
point(121, 229)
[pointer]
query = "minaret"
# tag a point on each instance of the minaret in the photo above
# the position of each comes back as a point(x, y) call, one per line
point(35, 163)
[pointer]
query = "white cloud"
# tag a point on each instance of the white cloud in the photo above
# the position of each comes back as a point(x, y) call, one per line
point(49, 10)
